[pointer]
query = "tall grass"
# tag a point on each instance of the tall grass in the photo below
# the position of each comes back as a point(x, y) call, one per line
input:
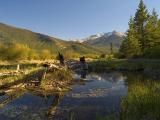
point(142, 101)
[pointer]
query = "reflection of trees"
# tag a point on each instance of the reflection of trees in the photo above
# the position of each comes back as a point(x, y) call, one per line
point(13, 95)
point(54, 105)
point(11, 90)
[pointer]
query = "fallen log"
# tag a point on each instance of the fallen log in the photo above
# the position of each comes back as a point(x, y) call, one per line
point(13, 73)
point(48, 65)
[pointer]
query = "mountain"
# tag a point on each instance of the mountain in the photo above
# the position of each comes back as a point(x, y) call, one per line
point(103, 40)
point(39, 42)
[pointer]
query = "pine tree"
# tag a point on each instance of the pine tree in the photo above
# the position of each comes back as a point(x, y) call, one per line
point(151, 30)
point(130, 46)
point(123, 48)
point(111, 48)
point(157, 35)
point(157, 42)
point(141, 18)
point(143, 35)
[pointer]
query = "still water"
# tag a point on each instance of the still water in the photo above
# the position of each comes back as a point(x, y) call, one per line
point(92, 99)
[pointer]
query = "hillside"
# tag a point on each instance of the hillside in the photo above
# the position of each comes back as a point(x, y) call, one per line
point(39, 42)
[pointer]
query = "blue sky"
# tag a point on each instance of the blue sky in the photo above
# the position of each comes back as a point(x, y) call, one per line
point(70, 19)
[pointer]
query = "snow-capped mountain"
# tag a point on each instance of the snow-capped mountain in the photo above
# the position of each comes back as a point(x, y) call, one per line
point(105, 39)
point(92, 37)
point(105, 35)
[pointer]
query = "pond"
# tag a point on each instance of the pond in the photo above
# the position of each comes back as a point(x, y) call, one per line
point(99, 97)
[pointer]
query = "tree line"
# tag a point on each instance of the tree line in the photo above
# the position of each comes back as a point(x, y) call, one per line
point(142, 39)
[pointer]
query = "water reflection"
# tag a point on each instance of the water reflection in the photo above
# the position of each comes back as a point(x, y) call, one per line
point(31, 106)
point(100, 95)
point(53, 108)
point(95, 97)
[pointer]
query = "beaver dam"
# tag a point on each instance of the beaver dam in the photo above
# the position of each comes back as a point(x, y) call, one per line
point(59, 93)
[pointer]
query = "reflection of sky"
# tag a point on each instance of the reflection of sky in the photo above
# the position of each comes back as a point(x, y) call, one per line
point(100, 85)
point(112, 77)
point(26, 107)
point(100, 94)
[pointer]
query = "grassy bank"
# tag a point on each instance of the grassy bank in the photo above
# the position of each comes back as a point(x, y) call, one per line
point(142, 100)
point(149, 67)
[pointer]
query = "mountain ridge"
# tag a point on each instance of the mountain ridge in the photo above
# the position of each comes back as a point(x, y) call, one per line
point(103, 40)
point(93, 45)
point(39, 41)
point(98, 35)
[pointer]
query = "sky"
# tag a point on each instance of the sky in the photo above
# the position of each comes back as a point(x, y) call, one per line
point(71, 19)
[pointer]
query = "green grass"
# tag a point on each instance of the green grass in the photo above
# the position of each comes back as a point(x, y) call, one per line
point(142, 101)
point(124, 64)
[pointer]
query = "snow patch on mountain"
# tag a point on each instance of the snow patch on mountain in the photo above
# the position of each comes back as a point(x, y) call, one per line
point(105, 35)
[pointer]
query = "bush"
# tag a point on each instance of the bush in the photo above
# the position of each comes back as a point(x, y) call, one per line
point(15, 51)
point(102, 55)
point(45, 54)
point(71, 54)
point(109, 57)
point(152, 52)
